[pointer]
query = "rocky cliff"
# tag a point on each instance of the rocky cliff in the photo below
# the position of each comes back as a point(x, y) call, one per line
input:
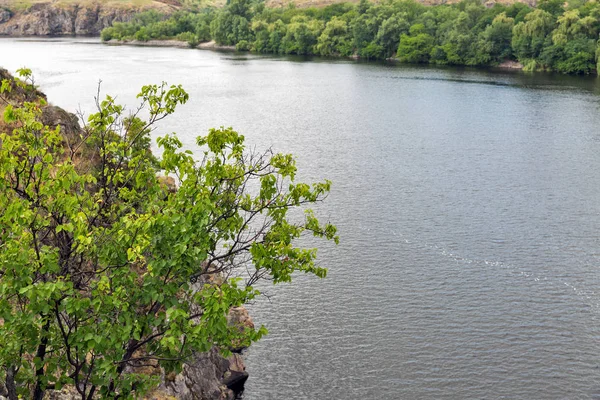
point(56, 18)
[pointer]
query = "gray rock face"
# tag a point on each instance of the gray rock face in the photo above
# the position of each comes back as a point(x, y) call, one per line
point(208, 376)
point(48, 19)
point(4, 15)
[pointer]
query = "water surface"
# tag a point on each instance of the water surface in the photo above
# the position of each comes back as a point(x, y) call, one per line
point(467, 203)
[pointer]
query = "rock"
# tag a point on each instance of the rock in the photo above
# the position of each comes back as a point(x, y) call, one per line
point(208, 276)
point(17, 94)
point(69, 123)
point(208, 376)
point(236, 376)
point(54, 18)
point(239, 316)
point(510, 64)
point(212, 45)
point(169, 183)
point(66, 393)
point(4, 15)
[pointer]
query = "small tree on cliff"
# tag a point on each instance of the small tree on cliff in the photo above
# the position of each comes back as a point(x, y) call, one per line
point(103, 267)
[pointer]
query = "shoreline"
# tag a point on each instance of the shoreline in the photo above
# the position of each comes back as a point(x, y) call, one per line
point(212, 45)
point(507, 65)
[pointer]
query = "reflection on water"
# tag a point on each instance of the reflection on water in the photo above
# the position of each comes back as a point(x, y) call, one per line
point(467, 203)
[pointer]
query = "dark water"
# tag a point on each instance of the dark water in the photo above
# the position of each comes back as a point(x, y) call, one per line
point(468, 203)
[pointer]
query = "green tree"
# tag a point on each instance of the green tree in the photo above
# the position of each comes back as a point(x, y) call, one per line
point(261, 32)
point(363, 6)
point(574, 57)
point(301, 36)
point(530, 36)
point(416, 47)
point(103, 268)
point(463, 33)
point(554, 7)
point(364, 28)
point(571, 26)
point(390, 30)
point(518, 11)
point(232, 24)
point(277, 31)
point(335, 39)
point(458, 42)
point(495, 41)
point(228, 28)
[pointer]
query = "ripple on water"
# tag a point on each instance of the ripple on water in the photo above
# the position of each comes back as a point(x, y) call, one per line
point(467, 203)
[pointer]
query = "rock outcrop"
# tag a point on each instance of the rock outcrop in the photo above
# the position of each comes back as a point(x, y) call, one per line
point(78, 18)
point(209, 376)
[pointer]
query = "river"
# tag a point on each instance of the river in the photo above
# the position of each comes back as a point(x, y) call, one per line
point(467, 201)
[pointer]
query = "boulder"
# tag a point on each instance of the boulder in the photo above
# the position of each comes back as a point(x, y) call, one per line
point(168, 182)
point(240, 318)
point(4, 15)
point(208, 376)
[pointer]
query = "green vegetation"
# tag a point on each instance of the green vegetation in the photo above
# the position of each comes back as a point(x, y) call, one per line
point(106, 270)
point(551, 37)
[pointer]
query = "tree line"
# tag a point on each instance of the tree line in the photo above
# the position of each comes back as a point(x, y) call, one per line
point(553, 36)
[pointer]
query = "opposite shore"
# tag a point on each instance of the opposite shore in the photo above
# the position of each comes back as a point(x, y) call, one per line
point(212, 45)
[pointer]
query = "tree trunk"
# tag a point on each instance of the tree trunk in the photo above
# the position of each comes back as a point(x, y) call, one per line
point(38, 392)
point(11, 387)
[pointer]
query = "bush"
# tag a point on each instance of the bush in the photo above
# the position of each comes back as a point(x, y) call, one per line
point(242, 45)
point(189, 37)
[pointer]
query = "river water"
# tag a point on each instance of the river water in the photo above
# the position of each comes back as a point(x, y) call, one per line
point(468, 204)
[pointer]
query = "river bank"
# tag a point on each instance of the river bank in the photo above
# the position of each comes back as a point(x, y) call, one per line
point(211, 45)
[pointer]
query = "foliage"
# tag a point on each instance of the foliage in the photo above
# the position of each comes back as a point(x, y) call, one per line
point(104, 269)
point(532, 35)
point(335, 39)
point(495, 40)
point(191, 39)
point(465, 33)
point(416, 47)
point(301, 36)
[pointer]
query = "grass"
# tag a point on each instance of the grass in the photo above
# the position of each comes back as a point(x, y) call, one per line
point(17, 5)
